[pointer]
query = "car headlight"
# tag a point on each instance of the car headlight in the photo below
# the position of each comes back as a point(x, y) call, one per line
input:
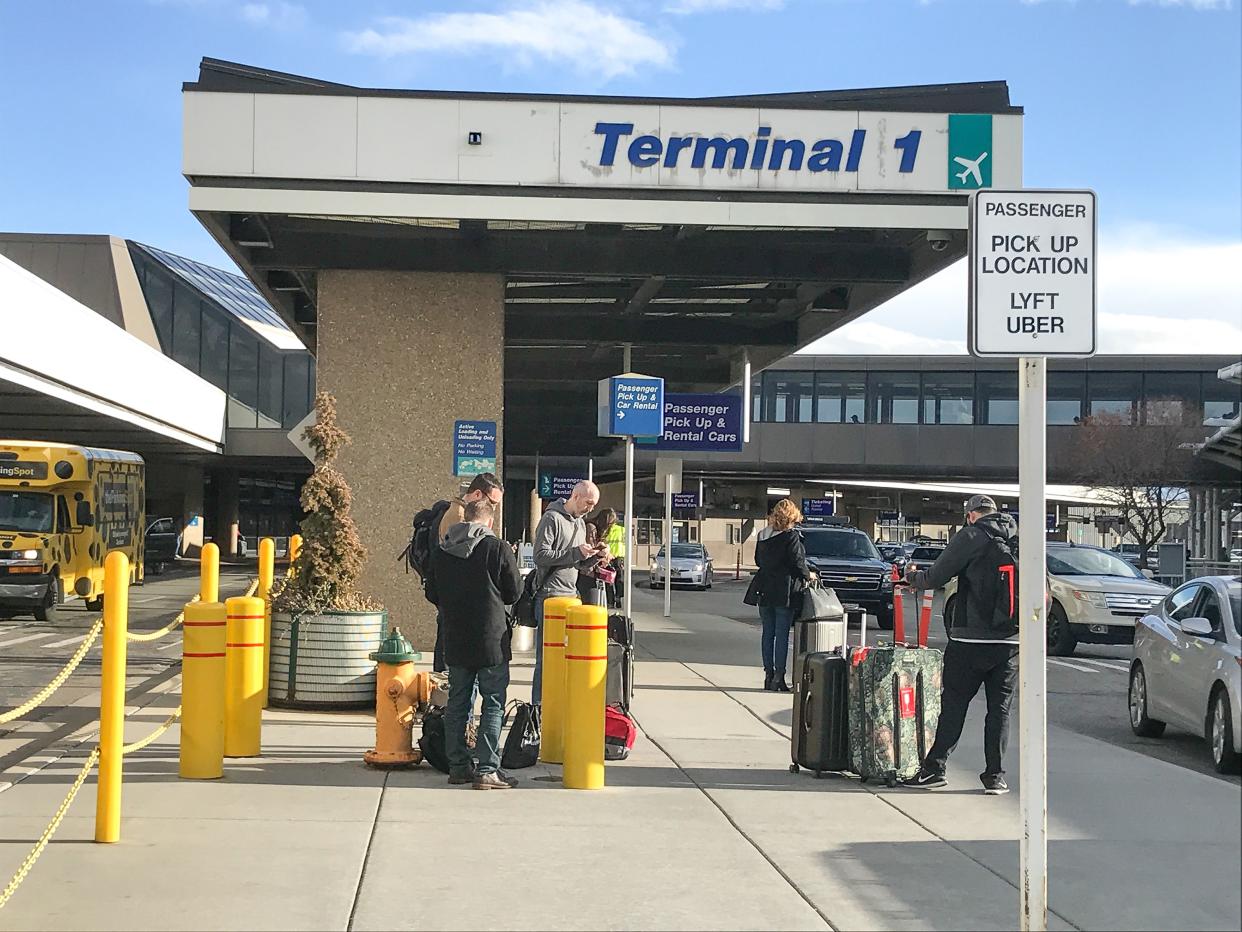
point(698, 567)
point(30, 554)
point(886, 581)
point(1091, 598)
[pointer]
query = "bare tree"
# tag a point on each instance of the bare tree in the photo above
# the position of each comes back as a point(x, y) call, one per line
point(1139, 472)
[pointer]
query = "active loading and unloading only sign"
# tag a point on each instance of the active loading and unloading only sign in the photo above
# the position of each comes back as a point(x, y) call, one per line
point(1032, 273)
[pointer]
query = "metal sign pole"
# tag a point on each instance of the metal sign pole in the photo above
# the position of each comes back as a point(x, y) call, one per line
point(1032, 671)
point(629, 525)
point(668, 545)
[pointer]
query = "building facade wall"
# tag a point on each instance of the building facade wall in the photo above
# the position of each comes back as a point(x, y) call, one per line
point(406, 354)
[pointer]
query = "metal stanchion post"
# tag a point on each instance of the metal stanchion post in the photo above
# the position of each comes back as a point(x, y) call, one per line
point(586, 673)
point(202, 691)
point(112, 698)
point(209, 574)
point(243, 697)
point(552, 712)
point(267, 576)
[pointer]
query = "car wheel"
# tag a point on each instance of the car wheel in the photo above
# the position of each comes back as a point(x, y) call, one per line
point(1225, 756)
point(1142, 725)
point(1061, 640)
point(52, 601)
point(884, 619)
point(652, 584)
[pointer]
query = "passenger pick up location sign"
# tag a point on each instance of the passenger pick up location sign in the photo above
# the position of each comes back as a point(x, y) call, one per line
point(1032, 273)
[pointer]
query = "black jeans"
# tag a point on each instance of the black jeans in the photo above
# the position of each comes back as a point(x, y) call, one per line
point(966, 668)
point(438, 663)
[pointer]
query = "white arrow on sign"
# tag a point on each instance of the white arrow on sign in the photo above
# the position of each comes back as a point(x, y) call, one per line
point(620, 415)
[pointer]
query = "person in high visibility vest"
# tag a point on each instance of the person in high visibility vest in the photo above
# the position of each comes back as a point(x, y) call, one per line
point(612, 533)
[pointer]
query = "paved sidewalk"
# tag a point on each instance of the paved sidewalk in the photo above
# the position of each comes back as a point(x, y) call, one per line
point(703, 828)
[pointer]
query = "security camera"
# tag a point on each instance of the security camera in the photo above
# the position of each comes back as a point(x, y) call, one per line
point(939, 239)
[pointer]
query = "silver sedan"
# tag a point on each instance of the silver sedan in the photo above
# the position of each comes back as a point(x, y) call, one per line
point(1186, 669)
point(692, 566)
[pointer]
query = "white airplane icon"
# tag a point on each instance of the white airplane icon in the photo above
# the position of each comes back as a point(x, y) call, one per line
point(970, 168)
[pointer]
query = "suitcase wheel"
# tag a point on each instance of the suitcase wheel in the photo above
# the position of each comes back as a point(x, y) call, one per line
point(793, 768)
point(890, 781)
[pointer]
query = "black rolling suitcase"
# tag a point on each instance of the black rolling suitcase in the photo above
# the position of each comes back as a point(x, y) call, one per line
point(821, 734)
point(620, 676)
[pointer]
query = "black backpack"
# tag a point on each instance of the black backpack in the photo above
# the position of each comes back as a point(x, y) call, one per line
point(433, 742)
point(417, 553)
point(1002, 557)
point(523, 612)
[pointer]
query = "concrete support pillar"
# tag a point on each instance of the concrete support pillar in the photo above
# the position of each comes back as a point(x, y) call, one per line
point(406, 354)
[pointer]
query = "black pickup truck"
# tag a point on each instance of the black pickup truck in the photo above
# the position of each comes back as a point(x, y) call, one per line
point(847, 562)
point(160, 545)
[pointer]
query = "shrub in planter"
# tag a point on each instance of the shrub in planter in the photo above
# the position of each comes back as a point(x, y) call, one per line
point(323, 627)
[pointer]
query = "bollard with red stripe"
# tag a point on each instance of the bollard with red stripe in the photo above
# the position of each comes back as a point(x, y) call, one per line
point(552, 703)
point(243, 697)
point(925, 613)
point(202, 691)
point(586, 675)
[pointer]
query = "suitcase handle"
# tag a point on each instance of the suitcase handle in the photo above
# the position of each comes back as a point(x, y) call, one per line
point(806, 707)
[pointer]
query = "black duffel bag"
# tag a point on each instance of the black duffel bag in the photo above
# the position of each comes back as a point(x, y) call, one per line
point(522, 745)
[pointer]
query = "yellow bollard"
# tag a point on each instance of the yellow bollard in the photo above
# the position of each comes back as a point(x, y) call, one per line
point(267, 576)
point(295, 550)
point(243, 663)
point(552, 721)
point(209, 574)
point(112, 698)
point(586, 674)
point(202, 691)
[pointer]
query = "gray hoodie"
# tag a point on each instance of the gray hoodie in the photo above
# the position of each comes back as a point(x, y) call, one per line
point(462, 538)
point(557, 559)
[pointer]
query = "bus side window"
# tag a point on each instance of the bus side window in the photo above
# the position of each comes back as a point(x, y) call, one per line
point(63, 524)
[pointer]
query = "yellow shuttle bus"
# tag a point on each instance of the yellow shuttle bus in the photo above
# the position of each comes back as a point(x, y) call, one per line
point(62, 509)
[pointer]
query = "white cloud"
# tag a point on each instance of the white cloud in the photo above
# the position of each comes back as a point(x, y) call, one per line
point(572, 32)
point(278, 15)
point(712, 6)
point(1158, 294)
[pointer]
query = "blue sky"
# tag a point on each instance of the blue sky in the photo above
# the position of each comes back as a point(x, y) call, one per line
point(1139, 99)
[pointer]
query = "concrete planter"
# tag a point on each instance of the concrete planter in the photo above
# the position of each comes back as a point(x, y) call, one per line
point(321, 661)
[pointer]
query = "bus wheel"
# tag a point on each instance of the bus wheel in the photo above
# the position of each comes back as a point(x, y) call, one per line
point(52, 602)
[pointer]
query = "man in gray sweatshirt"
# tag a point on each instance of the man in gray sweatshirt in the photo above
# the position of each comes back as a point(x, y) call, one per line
point(560, 552)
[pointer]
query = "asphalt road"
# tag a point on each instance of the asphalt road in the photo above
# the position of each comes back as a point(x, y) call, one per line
point(32, 653)
point(1087, 692)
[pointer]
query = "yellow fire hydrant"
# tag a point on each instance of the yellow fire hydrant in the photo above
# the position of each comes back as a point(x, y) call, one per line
point(398, 692)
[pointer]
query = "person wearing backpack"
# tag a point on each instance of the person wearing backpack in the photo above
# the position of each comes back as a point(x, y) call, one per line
point(983, 633)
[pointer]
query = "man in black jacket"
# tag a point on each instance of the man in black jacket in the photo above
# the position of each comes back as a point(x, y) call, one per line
point(983, 639)
point(475, 577)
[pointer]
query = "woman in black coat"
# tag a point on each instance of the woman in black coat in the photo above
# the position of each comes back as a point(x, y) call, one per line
point(777, 588)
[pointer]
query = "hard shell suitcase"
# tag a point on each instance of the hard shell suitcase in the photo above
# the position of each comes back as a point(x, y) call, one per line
point(812, 637)
point(620, 629)
point(820, 738)
point(619, 684)
point(894, 705)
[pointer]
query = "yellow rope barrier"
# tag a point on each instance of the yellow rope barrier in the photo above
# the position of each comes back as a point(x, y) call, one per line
point(48, 832)
point(156, 635)
point(139, 745)
point(58, 680)
point(254, 587)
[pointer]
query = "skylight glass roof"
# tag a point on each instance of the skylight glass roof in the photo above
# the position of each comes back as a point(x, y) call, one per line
point(235, 293)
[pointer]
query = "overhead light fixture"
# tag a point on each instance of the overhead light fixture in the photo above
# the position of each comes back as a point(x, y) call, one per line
point(775, 491)
point(255, 243)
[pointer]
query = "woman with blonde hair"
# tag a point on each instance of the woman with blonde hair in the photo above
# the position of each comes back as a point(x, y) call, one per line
point(781, 577)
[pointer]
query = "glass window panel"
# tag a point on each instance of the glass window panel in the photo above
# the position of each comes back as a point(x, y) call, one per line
point(1113, 395)
point(271, 379)
point(215, 362)
point(840, 396)
point(998, 397)
point(243, 379)
point(1220, 399)
point(893, 398)
point(1171, 398)
point(186, 330)
point(1066, 392)
point(948, 397)
point(756, 390)
point(159, 295)
point(792, 397)
point(297, 375)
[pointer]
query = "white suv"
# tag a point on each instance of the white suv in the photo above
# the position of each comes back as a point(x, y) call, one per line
point(1096, 597)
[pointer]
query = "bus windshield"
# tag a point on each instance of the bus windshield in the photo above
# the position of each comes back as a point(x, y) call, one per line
point(30, 512)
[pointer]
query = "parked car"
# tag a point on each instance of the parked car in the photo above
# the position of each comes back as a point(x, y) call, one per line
point(894, 554)
point(160, 545)
point(923, 557)
point(692, 566)
point(1096, 597)
point(1133, 554)
point(1186, 668)
point(1235, 555)
point(847, 561)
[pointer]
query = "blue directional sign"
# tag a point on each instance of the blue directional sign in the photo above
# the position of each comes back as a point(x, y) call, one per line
point(553, 486)
point(631, 406)
point(818, 507)
point(685, 501)
point(474, 447)
point(702, 423)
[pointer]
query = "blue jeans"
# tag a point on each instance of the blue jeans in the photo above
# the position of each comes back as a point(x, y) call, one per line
point(775, 637)
point(491, 682)
point(536, 680)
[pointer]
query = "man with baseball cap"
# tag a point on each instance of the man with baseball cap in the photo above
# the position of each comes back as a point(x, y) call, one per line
point(983, 638)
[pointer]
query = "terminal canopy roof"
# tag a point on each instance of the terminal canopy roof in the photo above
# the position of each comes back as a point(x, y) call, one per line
point(692, 229)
